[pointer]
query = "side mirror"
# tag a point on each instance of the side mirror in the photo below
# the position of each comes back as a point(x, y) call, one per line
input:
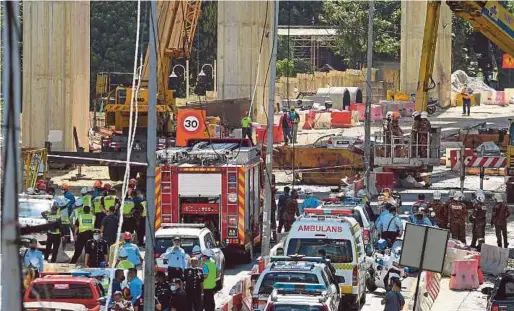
point(487, 290)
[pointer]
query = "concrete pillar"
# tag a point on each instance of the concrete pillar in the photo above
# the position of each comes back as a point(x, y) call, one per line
point(240, 26)
point(56, 49)
point(412, 30)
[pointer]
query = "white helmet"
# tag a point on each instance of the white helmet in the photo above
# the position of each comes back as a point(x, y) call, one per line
point(123, 253)
point(389, 115)
point(480, 197)
point(498, 197)
point(437, 195)
point(31, 191)
point(79, 202)
point(83, 191)
point(308, 192)
point(424, 115)
point(415, 114)
point(207, 252)
point(457, 195)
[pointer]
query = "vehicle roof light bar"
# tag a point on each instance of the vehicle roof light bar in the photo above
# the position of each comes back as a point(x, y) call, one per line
point(326, 211)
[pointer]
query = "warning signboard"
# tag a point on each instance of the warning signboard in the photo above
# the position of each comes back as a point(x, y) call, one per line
point(508, 62)
point(190, 124)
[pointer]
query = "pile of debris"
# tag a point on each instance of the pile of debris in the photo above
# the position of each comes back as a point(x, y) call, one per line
point(461, 80)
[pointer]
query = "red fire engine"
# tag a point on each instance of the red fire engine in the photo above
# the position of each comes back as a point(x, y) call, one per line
point(216, 182)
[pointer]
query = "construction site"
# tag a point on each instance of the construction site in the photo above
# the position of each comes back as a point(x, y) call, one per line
point(212, 143)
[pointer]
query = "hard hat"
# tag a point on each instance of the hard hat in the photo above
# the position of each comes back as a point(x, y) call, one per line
point(480, 197)
point(40, 182)
point(79, 202)
point(424, 115)
point(127, 236)
point(437, 195)
point(123, 253)
point(65, 187)
point(41, 186)
point(132, 181)
point(396, 115)
point(415, 114)
point(31, 191)
point(361, 193)
point(308, 191)
point(55, 206)
point(293, 108)
point(207, 252)
point(196, 250)
point(61, 201)
point(421, 196)
point(495, 68)
point(350, 193)
point(83, 191)
point(498, 197)
point(97, 184)
point(107, 187)
point(451, 193)
point(458, 195)
point(389, 114)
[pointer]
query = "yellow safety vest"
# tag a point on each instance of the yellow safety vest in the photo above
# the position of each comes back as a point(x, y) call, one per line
point(109, 201)
point(88, 200)
point(125, 264)
point(97, 204)
point(65, 218)
point(143, 214)
point(86, 222)
point(54, 218)
point(127, 207)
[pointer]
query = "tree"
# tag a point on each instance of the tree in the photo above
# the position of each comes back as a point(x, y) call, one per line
point(351, 20)
point(285, 67)
point(301, 13)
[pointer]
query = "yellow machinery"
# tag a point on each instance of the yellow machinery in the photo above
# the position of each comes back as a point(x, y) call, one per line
point(35, 165)
point(397, 96)
point(176, 29)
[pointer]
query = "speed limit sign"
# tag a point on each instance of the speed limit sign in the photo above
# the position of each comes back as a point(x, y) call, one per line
point(191, 123)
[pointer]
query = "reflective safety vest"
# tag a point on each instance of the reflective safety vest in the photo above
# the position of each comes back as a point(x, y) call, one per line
point(210, 281)
point(54, 218)
point(109, 201)
point(65, 218)
point(125, 264)
point(86, 222)
point(88, 200)
point(143, 214)
point(97, 204)
point(127, 207)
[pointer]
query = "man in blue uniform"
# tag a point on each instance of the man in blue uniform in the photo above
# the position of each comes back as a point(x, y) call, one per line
point(177, 260)
point(33, 255)
point(390, 226)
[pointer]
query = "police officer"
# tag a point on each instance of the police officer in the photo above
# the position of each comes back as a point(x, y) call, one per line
point(53, 238)
point(499, 220)
point(97, 251)
point(457, 215)
point(65, 220)
point(209, 284)
point(84, 226)
point(86, 196)
point(98, 210)
point(440, 210)
point(33, 257)
point(177, 260)
point(128, 220)
point(390, 226)
point(478, 218)
point(78, 209)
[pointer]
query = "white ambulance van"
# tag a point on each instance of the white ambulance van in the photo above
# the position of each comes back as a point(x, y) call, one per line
point(326, 232)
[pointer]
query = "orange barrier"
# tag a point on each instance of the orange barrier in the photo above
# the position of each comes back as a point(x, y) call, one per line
point(310, 120)
point(341, 119)
point(464, 275)
point(481, 278)
point(278, 134)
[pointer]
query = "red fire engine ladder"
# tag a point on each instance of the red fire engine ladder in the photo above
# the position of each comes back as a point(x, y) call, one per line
point(166, 194)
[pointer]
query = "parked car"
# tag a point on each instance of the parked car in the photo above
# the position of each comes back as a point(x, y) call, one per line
point(30, 209)
point(53, 306)
point(501, 294)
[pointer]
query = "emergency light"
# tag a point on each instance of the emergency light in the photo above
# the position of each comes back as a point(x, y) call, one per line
point(325, 211)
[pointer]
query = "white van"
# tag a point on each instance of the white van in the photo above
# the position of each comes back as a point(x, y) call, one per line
point(325, 232)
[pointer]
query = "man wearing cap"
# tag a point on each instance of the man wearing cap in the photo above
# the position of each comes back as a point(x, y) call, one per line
point(179, 299)
point(124, 263)
point(163, 291)
point(97, 251)
point(295, 119)
point(33, 255)
point(176, 257)
point(209, 284)
point(84, 226)
point(309, 202)
point(194, 279)
point(53, 237)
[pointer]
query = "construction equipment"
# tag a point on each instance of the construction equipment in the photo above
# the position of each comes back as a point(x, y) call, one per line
point(34, 165)
point(218, 182)
point(176, 28)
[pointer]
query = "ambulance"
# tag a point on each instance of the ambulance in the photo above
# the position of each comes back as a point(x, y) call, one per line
point(329, 233)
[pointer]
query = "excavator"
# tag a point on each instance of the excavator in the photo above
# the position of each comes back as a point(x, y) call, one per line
point(176, 26)
point(487, 17)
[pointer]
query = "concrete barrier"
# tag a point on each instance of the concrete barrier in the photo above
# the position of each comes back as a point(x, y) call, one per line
point(429, 288)
point(493, 259)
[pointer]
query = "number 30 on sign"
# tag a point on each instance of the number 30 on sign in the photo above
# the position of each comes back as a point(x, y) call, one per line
point(191, 123)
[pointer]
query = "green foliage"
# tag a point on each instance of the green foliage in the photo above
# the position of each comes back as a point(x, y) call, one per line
point(463, 42)
point(351, 20)
point(285, 67)
point(301, 13)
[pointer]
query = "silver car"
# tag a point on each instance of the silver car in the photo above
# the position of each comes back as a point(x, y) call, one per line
point(30, 214)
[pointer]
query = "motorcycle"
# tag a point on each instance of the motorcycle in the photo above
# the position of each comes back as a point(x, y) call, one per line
point(432, 105)
point(385, 266)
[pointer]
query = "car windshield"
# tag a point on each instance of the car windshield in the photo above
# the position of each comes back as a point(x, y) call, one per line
point(33, 209)
point(187, 243)
point(61, 291)
point(296, 308)
point(285, 277)
point(338, 251)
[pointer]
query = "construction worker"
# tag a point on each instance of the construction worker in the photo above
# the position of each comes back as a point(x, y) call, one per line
point(493, 79)
point(134, 255)
point(423, 135)
point(86, 196)
point(480, 74)
point(124, 263)
point(128, 219)
point(69, 196)
point(97, 251)
point(209, 284)
point(499, 220)
point(466, 101)
point(390, 226)
point(177, 260)
point(41, 187)
point(310, 201)
point(97, 189)
point(416, 124)
point(478, 218)
point(84, 227)
point(440, 210)
point(53, 237)
point(285, 122)
point(295, 119)
point(396, 133)
point(457, 216)
point(246, 126)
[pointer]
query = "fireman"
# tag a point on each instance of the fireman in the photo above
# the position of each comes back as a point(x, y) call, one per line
point(416, 124)
point(457, 217)
point(478, 218)
point(85, 224)
point(396, 131)
point(499, 220)
point(440, 210)
point(423, 134)
point(53, 240)
point(420, 202)
point(386, 127)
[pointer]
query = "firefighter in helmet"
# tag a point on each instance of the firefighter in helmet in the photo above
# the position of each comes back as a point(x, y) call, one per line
point(424, 131)
point(440, 210)
point(396, 132)
point(499, 220)
point(457, 217)
point(478, 218)
point(416, 124)
point(386, 127)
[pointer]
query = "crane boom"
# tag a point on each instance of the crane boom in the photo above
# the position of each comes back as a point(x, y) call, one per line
point(489, 18)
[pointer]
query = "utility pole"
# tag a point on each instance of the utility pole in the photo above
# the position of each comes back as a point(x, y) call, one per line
point(266, 217)
point(367, 124)
point(151, 158)
point(11, 90)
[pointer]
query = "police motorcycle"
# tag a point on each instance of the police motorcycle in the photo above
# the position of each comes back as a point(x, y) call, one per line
point(385, 266)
